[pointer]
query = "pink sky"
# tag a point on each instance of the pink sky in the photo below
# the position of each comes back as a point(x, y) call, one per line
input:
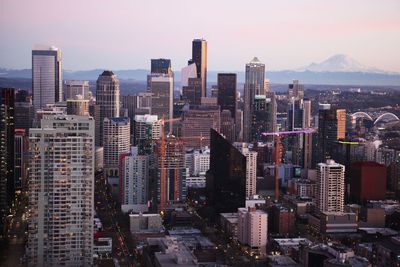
point(126, 34)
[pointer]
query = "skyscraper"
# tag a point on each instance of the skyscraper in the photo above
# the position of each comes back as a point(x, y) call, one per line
point(116, 141)
point(21, 145)
point(134, 181)
point(197, 122)
point(227, 125)
point(161, 66)
point(330, 186)
point(171, 171)
point(251, 168)
point(7, 186)
point(226, 178)
point(74, 87)
point(199, 57)
point(263, 116)
point(190, 71)
point(162, 100)
point(78, 106)
point(61, 173)
point(192, 92)
point(146, 131)
point(107, 99)
point(227, 92)
point(295, 90)
point(254, 85)
point(331, 127)
point(46, 76)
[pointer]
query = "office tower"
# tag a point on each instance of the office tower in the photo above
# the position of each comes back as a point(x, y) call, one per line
point(192, 92)
point(196, 124)
point(263, 117)
point(162, 88)
point(227, 125)
point(134, 181)
point(22, 96)
point(78, 106)
point(46, 76)
point(74, 87)
point(21, 145)
point(252, 227)
point(107, 99)
point(188, 72)
point(23, 115)
point(239, 125)
point(227, 92)
point(116, 141)
point(251, 168)
point(331, 127)
point(295, 90)
point(171, 171)
point(209, 101)
point(368, 181)
point(330, 186)
point(266, 86)
point(7, 186)
point(161, 66)
point(226, 178)
point(306, 107)
point(61, 192)
point(146, 131)
point(199, 57)
point(254, 85)
point(295, 114)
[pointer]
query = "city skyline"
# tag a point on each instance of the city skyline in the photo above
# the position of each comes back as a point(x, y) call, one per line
point(359, 29)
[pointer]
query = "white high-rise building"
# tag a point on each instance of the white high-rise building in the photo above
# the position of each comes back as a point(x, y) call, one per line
point(187, 72)
point(61, 192)
point(252, 227)
point(147, 127)
point(251, 168)
point(330, 186)
point(46, 76)
point(116, 140)
point(135, 181)
point(201, 162)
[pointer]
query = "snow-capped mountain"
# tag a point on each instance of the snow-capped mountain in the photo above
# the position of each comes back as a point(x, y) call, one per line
point(340, 63)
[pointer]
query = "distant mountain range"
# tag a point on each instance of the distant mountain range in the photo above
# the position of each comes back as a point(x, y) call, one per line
point(338, 70)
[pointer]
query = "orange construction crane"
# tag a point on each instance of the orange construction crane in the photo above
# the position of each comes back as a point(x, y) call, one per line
point(278, 151)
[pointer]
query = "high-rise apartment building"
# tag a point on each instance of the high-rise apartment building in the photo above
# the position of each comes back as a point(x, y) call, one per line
point(7, 185)
point(196, 124)
point(46, 76)
point(252, 227)
point(199, 57)
point(251, 168)
point(254, 86)
point(330, 186)
point(75, 87)
point(78, 106)
point(107, 100)
point(227, 92)
point(116, 141)
point(134, 179)
point(61, 192)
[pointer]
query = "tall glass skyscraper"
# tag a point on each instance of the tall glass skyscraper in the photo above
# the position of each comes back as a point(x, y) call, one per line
point(254, 85)
point(107, 99)
point(46, 76)
point(227, 92)
point(199, 57)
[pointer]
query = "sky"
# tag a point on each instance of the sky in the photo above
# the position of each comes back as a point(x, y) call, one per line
point(126, 34)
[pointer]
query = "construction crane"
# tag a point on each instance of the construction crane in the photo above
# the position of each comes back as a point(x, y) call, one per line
point(278, 147)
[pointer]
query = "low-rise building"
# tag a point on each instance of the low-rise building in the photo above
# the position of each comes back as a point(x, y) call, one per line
point(145, 223)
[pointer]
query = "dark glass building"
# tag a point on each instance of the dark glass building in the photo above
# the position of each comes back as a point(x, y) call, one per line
point(226, 178)
point(227, 92)
point(199, 57)
point(263, 117)
point(161, 65)
point(7, 186)
point(192, 92)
